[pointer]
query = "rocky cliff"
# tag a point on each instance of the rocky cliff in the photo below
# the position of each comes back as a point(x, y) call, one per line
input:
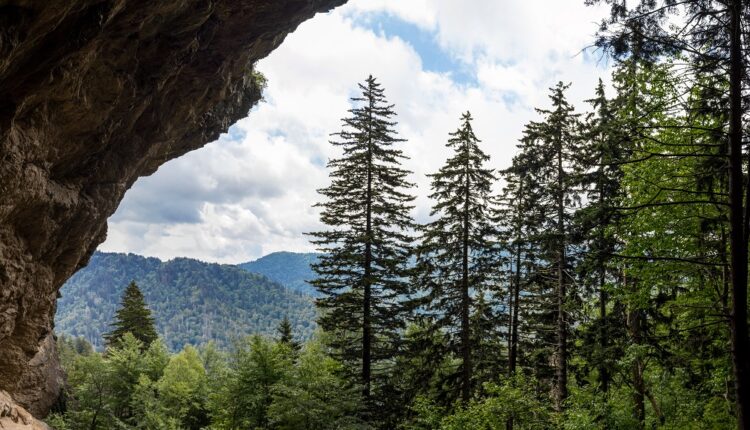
point(14, 417)
point(94, 94)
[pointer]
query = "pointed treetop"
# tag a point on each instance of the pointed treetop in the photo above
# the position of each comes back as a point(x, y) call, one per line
point(133, 317)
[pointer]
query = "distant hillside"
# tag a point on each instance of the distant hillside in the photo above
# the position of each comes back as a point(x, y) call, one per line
point(192, 301)
point(290, 269)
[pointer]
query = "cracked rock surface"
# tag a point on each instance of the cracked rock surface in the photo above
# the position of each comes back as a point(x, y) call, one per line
point(94, 94)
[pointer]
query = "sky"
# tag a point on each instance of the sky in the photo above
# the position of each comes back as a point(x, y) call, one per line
point(252, 191)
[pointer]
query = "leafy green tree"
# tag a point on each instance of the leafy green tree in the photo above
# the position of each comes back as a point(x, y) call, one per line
point(155, 360)
point(148, 411)
point(255, 367)
point(714, 39)
point(90, 401)
point(313, 396)
point(126, 364)
point(363, 273)
point(183, 389)
point(675, 243)
point(133, 317)
point(513, 400)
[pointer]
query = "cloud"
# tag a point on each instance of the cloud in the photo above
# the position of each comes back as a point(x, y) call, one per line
point(252, 191)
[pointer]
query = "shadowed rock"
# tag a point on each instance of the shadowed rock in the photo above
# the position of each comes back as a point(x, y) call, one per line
point(94, 94)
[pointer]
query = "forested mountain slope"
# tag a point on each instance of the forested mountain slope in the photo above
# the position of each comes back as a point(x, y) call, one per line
point(192, 301)
point(290, 269)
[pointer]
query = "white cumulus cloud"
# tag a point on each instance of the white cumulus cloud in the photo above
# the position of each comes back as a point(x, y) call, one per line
point(252, 191)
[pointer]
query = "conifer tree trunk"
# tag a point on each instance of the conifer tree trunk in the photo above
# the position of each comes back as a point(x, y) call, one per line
point(367, 281)
point(634, 323)
point(561, 390)
point(738, 219)
point(639, 388)
point(465, 307)
point(603, 372)
point(516, 293)
point(511, 289)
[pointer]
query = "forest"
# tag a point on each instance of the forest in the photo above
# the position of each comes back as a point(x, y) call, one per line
point(603, 286)
point(192, 301)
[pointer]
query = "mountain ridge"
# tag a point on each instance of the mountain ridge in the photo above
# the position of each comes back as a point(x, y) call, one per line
point(290, 269)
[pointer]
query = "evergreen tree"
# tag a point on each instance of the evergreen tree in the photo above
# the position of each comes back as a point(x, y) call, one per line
point(457, 250)
point(133, 317)
point(604, 150)
point(362, 275)
point(285, 334)
point(550, 149)
point(513, 222)
point(519, 223)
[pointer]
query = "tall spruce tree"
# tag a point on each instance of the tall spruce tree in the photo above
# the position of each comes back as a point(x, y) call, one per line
point(457, 250)
point(521, 224)
point(604, 150)
point(363, 272)
point(551, 150)
point(515, 222)
point(133, 317)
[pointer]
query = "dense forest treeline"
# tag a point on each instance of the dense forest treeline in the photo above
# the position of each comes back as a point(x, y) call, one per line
point(604, 286)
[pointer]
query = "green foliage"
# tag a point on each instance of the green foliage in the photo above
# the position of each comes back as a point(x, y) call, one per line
point(456, 259)
point(125, 364)
point(192, 302)
point(133, 317)
point(91, 399)
point(255, 366)
point(512, 399)
point(313, 396)
point(260, 384)
point(183, 388)
point(362, 275)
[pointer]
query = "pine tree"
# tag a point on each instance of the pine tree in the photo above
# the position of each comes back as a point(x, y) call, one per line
point(457, 250)
point(511, 220)
point(285, 334)
point(521, 224)
point(362, 274)
point(604, 150)
point(133, 317)
point(486, 324)
point(551, 151)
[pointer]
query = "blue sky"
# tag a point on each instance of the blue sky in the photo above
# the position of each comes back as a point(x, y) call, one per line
point(252, 191)
point(424, 41)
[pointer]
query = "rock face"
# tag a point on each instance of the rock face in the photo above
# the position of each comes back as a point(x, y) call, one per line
point(14, 417)
point(94, 94)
